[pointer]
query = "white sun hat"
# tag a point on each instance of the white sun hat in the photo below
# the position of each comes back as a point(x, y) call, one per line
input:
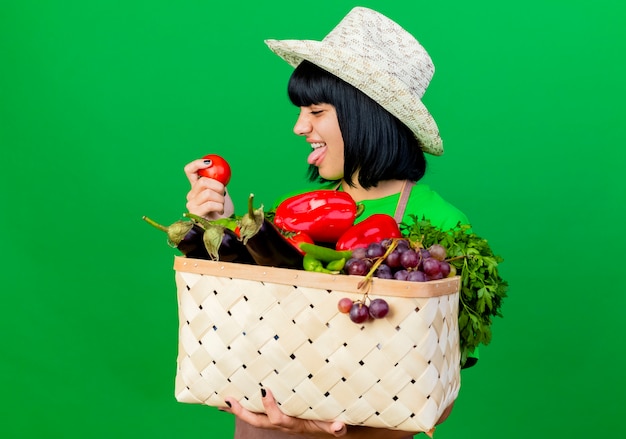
point(380, 58)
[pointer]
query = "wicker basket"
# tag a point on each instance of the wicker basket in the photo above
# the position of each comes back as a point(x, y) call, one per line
point(244, 327)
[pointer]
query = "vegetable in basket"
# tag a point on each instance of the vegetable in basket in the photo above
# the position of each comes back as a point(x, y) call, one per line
point(297, 238)
point(265, 242)
point(230, 223)
point(186, 236)
point(323, 214)
point(311, 264)
point(221, 241)
point(323, 259)
point(374, 228)
point(324, 254)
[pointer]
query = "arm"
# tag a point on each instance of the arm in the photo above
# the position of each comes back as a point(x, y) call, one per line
point(274, 419)
point(207, 197)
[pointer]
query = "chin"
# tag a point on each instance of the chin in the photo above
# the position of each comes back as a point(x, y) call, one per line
point(331, 176)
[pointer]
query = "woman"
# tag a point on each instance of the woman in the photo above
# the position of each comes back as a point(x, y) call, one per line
point(359, 92)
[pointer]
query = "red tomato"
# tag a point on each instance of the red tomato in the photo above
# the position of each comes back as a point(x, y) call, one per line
point(218, 169)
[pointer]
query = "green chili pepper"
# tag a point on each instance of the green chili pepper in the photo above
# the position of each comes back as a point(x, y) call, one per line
point(229, 223)
point(336, 265)
point(324, 254)
point(311, 264)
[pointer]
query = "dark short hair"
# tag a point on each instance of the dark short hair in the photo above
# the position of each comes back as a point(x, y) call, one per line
point(376, 143)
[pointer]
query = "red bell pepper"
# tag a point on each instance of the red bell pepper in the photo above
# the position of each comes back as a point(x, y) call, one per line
point(375, 228)
point(322, 214)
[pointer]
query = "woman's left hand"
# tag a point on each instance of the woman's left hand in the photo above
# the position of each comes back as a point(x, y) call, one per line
point(207, 197)
point(275, 419)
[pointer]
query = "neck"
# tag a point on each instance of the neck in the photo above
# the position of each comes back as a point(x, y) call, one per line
point(383, 189)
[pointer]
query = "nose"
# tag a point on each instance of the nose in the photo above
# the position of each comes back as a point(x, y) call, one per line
point(303, 125)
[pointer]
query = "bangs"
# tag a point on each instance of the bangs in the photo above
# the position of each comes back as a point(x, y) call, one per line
point(310, 84)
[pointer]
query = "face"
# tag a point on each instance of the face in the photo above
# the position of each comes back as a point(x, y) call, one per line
point(319, 124)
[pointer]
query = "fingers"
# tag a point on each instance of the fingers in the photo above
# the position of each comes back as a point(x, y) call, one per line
point(292, 425)
point(275, 419)
point(273, 412)
point(254, 419)
point(229, 207)
point(207, 198)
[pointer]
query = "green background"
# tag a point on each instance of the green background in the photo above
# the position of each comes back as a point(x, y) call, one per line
point(102, 103)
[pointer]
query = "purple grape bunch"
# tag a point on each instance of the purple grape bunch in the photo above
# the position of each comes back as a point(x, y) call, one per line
point(359, 311)
point(402, 263)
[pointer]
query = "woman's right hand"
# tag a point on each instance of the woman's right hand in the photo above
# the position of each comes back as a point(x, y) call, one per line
point(207, 197)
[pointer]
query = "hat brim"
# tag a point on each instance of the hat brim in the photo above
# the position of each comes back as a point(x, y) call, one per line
point(387, 90)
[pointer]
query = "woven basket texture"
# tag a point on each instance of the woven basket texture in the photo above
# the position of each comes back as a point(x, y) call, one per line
point(243, 328)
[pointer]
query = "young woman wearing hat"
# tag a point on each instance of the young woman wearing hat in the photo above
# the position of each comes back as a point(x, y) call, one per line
point(359, 92)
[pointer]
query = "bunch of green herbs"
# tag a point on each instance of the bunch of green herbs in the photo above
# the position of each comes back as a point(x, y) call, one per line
point(482, 288)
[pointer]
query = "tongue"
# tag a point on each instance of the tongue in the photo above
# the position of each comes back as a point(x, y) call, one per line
point(316, 156)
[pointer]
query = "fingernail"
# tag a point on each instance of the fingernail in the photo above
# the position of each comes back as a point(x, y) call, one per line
point(207, 161)
point(229, 404)
point(263, 393)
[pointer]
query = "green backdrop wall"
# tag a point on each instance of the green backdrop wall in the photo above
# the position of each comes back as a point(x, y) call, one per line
point(103, 102)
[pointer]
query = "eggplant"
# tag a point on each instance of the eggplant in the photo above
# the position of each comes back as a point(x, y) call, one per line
point(186, 236)
point(265, 242)
point(232, 249)
point(221, 243)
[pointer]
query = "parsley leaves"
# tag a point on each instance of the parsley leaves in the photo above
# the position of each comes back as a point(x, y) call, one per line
point(482, 288)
